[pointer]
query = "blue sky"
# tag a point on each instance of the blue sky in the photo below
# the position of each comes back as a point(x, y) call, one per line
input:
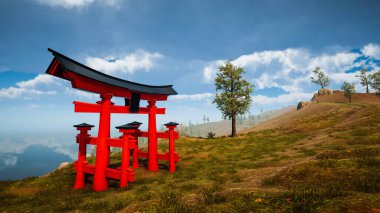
point(180, 43)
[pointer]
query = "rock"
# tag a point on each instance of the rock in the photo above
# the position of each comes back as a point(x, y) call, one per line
point(302, 104)
point(63, 165)
point(314, 98)
point(325, 92)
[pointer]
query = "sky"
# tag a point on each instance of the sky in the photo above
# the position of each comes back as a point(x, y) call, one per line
point(182, 43)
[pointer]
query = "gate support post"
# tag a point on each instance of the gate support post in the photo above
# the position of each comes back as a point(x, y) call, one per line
point(102, 150)
point(152, 137)
point(171, 127)
point(82, 138)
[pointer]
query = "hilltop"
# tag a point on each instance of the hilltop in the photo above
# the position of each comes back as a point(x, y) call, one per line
point(322, 104)
point(324, 157)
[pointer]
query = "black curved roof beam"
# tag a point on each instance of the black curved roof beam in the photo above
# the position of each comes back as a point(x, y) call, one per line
point(69, 65)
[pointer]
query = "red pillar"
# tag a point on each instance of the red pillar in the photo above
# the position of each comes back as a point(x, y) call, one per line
point(127, 173)
point(82, 138)
point(152, 137)
point(171, 127)
point(124, 161)
point(135, 163)
point(102, 150)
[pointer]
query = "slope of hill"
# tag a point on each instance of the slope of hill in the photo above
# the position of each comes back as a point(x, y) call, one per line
point(223, 128)
point(316, 109)
point(322, 158)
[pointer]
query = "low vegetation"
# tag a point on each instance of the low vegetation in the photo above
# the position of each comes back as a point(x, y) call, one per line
point(327, 162)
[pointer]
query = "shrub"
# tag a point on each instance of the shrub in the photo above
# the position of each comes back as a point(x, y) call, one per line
point(211, 135)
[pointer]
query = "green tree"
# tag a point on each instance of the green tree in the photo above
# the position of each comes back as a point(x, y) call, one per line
point(233, 93)
point(320, 78)
point(349, 90)
point(365, 79)
point(375, 81)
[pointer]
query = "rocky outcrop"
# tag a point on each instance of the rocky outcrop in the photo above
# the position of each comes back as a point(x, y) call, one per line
point(303, 104)
point(321, 92)
point(325, 92)
point(63, 165)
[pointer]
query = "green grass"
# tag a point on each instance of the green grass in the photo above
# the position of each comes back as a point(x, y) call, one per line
point(340, 174)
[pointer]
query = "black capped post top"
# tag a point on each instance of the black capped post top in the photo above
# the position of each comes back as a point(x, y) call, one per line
point(134, 123)
point(84, 125)
point(171, 124)
point(126, 126)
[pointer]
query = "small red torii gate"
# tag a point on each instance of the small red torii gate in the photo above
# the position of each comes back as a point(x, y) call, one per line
point(88, 79)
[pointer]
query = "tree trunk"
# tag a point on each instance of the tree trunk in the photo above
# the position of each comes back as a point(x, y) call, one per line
point(350, 98)
point(367, 88)
point(233, 134)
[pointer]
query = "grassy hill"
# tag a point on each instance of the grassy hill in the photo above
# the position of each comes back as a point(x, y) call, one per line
point(223, 128)
point(322, 158)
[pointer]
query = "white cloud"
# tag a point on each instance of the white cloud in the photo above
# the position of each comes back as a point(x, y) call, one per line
point(371, 50)
point(288, 60)
point(140, 60)
point(27, 89)
point(67, 4)
point(342, 77)
point(210, 70)
point(194, 97)
point(7, 160)
point(338, 62)
point(80, 93)
point(38, 80)
point(264, 81)
point(14, 92)
point(281, 99)
point(112, 3)
point(79, 4)
point(288, 69)
point(18, 143)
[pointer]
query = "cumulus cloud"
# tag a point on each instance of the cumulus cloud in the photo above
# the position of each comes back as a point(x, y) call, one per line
point(371, 50)
point(18, 143)
point(338, 62)
point(194, 97)
point(290, 69)
point(80, 93)
point(140, 60)
point(210, 70)
point(67, 4)
point(79, 4)
point(112, 3)
point(7, 160)
point(27, 89)
point(281, 99)
point(38, 80)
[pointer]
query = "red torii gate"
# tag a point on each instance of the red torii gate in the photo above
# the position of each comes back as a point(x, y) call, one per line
point(88, 79)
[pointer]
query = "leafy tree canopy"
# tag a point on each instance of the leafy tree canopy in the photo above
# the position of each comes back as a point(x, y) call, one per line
point(233, 92)
point(349, 90)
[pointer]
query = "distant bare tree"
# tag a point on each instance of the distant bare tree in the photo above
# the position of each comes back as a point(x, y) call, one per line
point(320, 78)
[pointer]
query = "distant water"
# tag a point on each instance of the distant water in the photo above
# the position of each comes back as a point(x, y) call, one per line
point(27, 155)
